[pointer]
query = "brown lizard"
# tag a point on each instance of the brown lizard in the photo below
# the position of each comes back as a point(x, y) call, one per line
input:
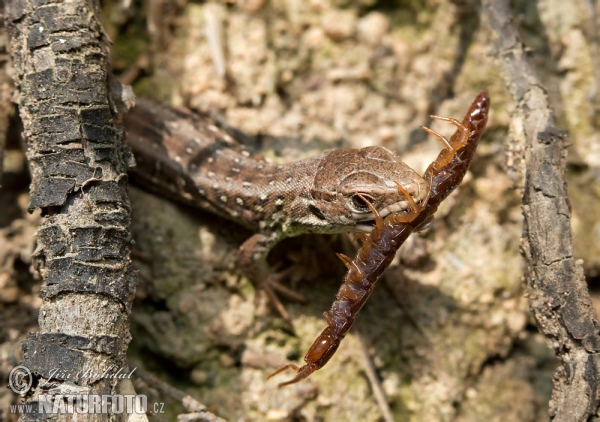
point(189, 158)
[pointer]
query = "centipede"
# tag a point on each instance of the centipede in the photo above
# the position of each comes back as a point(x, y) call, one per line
point(379, 248)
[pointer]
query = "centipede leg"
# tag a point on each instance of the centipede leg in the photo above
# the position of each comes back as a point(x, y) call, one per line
point(330, 322)
point(415, 209)
point(345, 259)
point(442, 138)
point(301, 373)
point(285, 367)
point(464, 135)
point(378, 219)
point(409, 199)
point(349, 263)
point(430, 185)
point(360, 236)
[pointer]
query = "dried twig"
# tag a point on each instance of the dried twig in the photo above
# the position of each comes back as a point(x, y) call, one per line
point(369, 368)
point(78, 166)
point(557, 291)
point(190, 403)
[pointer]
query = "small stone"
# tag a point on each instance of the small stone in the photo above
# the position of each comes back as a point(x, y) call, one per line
point(339, 24)
point(226, 360)
point(251, 5)
point(385, 134)
point(373, 27)
point(9, 291)
point(199, 377)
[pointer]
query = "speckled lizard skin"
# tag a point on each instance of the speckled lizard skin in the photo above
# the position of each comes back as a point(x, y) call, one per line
point(190, 159)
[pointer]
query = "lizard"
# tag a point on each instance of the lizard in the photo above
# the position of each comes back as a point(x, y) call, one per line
point(188, 157)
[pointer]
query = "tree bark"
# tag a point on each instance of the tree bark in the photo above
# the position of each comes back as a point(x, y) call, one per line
point(5, 91)
point(78, 165)
point(557, 291)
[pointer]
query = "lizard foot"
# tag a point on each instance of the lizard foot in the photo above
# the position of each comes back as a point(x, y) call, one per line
point(252, 258)
point(272, 286)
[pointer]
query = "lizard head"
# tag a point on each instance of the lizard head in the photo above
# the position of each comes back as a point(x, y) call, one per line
point(371, 172)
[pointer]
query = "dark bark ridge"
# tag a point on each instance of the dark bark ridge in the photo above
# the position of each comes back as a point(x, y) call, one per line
point(79, 181)
point(557, 290)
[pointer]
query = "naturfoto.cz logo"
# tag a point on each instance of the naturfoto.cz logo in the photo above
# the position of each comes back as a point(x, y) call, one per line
point(48, 404)
point(69, 398)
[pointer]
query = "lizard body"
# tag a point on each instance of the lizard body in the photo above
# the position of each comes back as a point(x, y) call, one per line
point(189, 158)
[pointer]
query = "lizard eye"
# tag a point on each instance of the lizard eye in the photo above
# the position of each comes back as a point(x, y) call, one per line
point(360, 204)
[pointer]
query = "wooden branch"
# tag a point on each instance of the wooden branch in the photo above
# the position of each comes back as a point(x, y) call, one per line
point(6, 91)
point(79, 181)
point(557, 290)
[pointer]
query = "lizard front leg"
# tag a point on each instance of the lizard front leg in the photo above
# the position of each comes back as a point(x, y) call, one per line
point(252, 258)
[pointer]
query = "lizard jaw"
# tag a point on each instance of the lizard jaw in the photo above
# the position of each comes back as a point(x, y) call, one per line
point(364, 228)
point(366, 222)
point(393, 208)
point(384, 212)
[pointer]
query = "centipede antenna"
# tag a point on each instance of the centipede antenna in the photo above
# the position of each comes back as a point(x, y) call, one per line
point(378, 219)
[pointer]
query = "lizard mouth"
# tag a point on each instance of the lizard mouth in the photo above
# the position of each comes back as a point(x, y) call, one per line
point(365, 222)
point(366, 226)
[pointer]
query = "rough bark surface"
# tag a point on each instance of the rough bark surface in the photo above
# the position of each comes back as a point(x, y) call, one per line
point(557, 291)
point(79, 181)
